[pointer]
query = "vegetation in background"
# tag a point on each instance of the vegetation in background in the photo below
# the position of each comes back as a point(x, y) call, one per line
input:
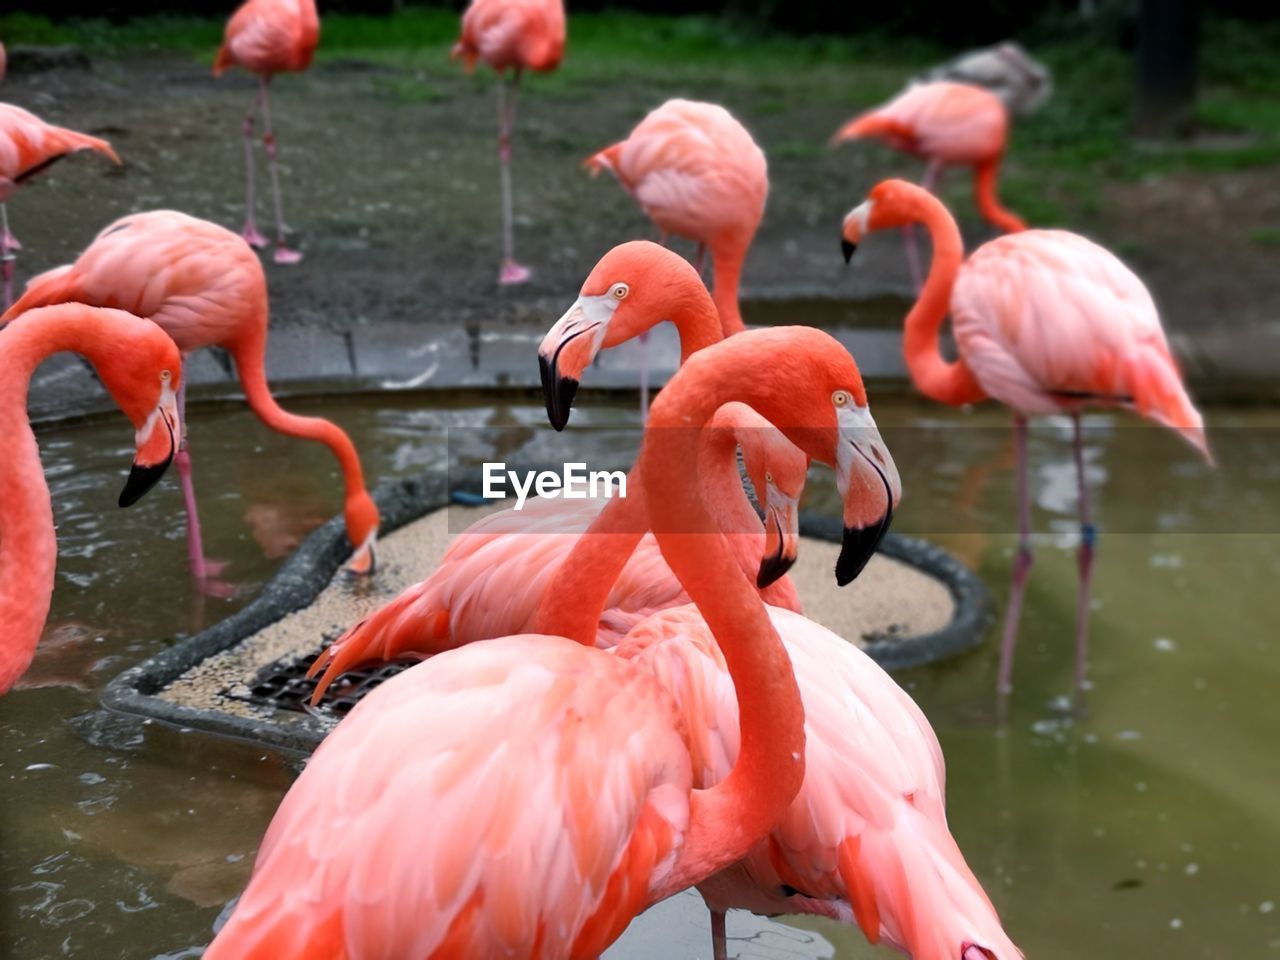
point(1078, 142)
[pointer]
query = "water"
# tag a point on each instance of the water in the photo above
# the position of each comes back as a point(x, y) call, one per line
point(1147, 827)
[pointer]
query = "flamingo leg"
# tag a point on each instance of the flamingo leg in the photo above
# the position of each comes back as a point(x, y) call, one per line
point(203, 571)
point(1084, 559)
point(252, 235)
point(719, 946)
point(283, 252)
point(511, 272)
point(1021, 567)
point(700, 258)
point(8, 244)
point(909, 241)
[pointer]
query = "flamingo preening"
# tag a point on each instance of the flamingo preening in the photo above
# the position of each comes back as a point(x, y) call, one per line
point(1046, 322)
point(28, 145)
point(205, 287)
point(515, 35)
point(565, 803)
point(267, 37)
point(140, 367)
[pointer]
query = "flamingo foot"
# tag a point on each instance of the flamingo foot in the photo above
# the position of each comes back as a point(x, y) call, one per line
point(207, 576)
point(513, 273)
point(253, 236)
point(286, 255)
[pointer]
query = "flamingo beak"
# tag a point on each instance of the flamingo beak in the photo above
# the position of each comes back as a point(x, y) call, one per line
point(157, 443)
point(854, 229)
point(365, 559)
point(568, 349)
point(870, 487)
point(781, 536)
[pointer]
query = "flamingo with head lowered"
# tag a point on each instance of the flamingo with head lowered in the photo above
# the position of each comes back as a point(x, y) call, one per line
point(203, 286)
point(141, 368)
point(1047, 322)
point(564, 804)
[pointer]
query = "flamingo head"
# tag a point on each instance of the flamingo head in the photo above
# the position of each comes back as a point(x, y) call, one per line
point(777, 469)
point(634, 287)
point(143, 373)
point(891, 203)
point(363, 520)
point(869, 485)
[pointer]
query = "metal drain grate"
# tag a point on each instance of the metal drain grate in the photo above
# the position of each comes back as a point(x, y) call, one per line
point(287, 687)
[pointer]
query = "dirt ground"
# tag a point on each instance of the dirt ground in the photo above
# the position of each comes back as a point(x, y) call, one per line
point(390, 180)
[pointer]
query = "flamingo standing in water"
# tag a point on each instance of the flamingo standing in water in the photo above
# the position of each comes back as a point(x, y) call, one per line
point(27, 146)
point(564, 804)
point(948, 124)
point(205, 287)
point(866, 840)
point(493, 577)
point(697, 173)
point(515, 35)
point(140, 367)
point(1047, 322)
point(267, 37)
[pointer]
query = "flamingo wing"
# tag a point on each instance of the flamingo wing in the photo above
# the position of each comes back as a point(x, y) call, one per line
point(270, 36)
point(1049, 321)
point(515, 798)
point(28, 145)
point(513, 33)
point(952, 122)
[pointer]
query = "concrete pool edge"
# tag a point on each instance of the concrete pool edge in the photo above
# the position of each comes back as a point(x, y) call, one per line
point(302, 577)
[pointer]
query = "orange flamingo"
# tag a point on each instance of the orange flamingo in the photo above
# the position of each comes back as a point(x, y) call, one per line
point(511, 35)
point(140, 366)
point(564, 804)
point(267, 37)
point(27, 146)
point(1046, 322)
point(205, 287)
point(866, 840)
point(494, 575)
point(948, 124)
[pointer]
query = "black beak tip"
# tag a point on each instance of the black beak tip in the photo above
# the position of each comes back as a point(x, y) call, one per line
point(859, 545)
point(772, 569)
point(557, 393)
point(141, 479)
point(847, 249)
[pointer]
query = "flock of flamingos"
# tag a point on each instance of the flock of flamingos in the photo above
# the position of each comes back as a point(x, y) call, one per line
point(647, 709)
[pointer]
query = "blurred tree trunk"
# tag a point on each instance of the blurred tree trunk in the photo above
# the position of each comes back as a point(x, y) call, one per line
point(1168, 43)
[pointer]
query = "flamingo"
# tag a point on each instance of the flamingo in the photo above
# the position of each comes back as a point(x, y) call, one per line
point(515, 35)
point(267, 37)
point(696, 172)
point(27, 146)
point(140, 367)
point(492, 578)
point(1046, 322)
point(1006, 69)
point(948, 124)
point(563, 804)
point(866, 839)
point(205, 287)
point(4, 61)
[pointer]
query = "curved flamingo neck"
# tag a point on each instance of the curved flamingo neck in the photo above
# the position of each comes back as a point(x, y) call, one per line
point(726, 820)
point(250, 357)
point(28, 547)
point(726, 263)
point(989, 205)
point(698, 325)
point(943, 380)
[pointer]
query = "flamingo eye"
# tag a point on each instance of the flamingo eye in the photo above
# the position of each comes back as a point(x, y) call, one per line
point(841, 398)
point(619, 291)
point(165, 376)
point(768, 477)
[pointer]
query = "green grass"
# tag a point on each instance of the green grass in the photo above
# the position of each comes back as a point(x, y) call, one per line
point(1064, 155)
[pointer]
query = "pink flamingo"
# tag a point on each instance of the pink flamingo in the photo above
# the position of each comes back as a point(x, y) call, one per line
point(27, 146)
point(140, 366)
point(866, 839)
point(1046, 322)
point(696, 173)
point(1006, 69)
point(948, 124)
point(564, 804)
point(267, 37)
point(205, 287)
point(511, 35)
point(493, 576)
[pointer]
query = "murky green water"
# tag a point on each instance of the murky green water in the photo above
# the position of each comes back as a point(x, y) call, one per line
point(1148, 828)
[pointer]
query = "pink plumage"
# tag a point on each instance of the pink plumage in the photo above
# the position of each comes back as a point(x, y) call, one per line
point(1050, 322)
point(28, 145)
point(953, 122)
point(866, 840)
point(270, 36)
point(513, 34)
point(697, 173)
